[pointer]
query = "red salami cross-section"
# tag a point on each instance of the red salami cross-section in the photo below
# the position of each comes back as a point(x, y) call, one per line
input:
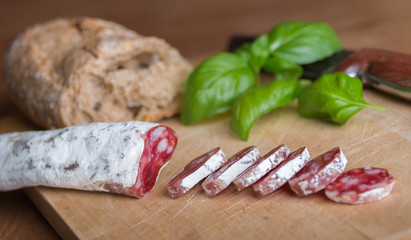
point(159, 144)
point(282, 173)
point(261, 167)
point(118, 157)
point(224, 176)
point(195, 171)
point(361, 185)
point(319, 172)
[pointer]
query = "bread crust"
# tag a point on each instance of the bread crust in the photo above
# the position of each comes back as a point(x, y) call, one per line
point(72, 71)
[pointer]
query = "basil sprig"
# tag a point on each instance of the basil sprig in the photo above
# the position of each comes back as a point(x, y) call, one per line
point(259, 101)
point(213, 87)
point(230, 80)
point(303, 42)
point(334, 96)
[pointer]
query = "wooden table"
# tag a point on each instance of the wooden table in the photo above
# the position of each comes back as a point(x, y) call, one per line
point(197, 29)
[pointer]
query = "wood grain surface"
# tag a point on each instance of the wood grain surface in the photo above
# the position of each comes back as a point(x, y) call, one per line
point(371, 138)
point(19, 218)
point(198, 29)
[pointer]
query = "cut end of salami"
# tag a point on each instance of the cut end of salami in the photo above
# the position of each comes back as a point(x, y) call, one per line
point(195, 171)
point(159, 145)
point(282, 173)
point(319, 172)
point(261, 167)
point(360, 186)
point(224, 176)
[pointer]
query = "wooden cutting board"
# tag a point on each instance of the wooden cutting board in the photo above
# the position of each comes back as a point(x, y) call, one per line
point(370, 138)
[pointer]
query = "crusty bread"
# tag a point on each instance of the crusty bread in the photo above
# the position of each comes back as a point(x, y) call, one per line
point(73, 71)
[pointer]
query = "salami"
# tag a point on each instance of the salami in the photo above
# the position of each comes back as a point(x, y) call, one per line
point(225, 175)
point(319, 172)
point(118, 157)
point(195, 171)
point(282, 173)
point(361, 185)
point(261, 167)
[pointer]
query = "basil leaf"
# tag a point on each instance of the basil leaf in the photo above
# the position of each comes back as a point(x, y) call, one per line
point(255, 53)
point(283, 69)
point(259, 101)
point(244, 51)
point(213, 87)
point(336, 96)
point(303, 42)
point(260, 51)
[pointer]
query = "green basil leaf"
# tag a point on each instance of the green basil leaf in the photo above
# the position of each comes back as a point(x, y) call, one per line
point(259, 101)
point(244, 51)
point(336, 96)
point(255, 53)
point(260, 51)
point(283, 69)
point(213, 87)
point(303, 42)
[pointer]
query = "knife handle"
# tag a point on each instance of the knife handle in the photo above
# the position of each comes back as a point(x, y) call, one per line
point(390, 66)
point(386, 71)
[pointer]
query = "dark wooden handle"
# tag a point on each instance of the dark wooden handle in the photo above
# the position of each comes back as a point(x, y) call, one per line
point(388, 65)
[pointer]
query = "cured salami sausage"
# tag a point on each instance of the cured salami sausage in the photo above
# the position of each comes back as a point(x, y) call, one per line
point(195, 171)
point(361, 185)
point(118, 157)
point(282, 173)
point(319, 172)
point(261, 167)
point(220, 179)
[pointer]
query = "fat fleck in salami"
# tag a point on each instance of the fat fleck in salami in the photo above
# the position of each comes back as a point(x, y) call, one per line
point(361, 185)
point(319, 172)
point(261, 167)
point(282, 173)
point(195, 171)
point(220, 179)
point(119, 157)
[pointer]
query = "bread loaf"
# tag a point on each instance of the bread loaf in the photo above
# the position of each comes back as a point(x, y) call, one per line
point(74, 71)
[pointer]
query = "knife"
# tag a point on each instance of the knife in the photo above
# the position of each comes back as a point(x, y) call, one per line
point(387, 71)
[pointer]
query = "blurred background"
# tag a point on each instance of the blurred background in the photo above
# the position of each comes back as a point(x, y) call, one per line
point(204, 27)
point(198, 29)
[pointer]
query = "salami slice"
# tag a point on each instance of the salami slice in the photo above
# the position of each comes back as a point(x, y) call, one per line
point(319, 172)
point(361, 185)
point(220, 179)
point(195, 171)
point(118, 157)
point(261, 167)
point(282, 173)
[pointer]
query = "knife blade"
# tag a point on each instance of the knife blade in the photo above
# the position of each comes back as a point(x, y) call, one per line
point(387, 71)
